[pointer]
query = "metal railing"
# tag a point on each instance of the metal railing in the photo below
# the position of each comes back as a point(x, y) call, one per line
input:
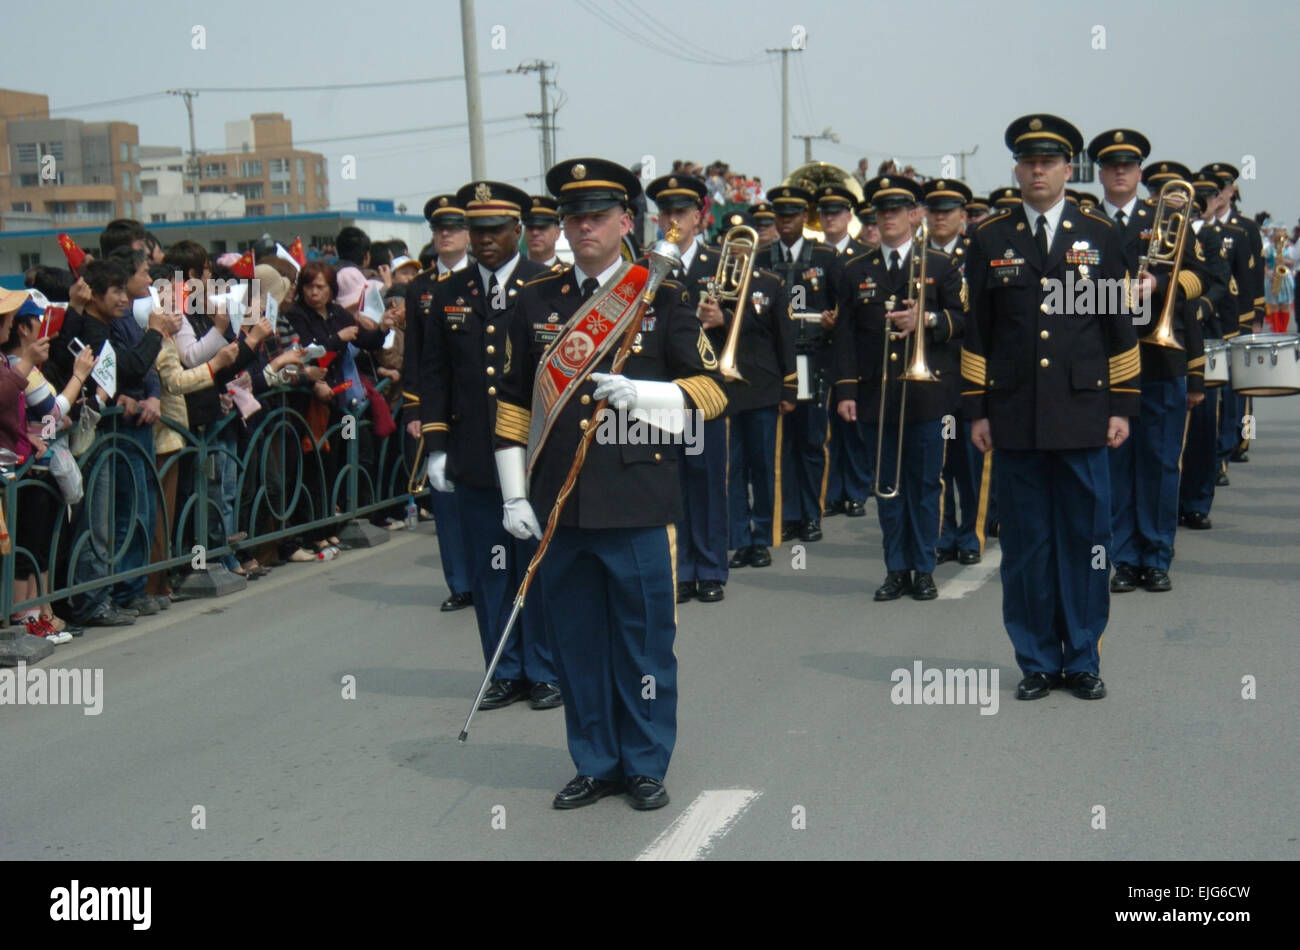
point(288, 482)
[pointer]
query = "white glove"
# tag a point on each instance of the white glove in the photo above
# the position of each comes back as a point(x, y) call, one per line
point(519, 518)
point(658, 403)
point(437, 471)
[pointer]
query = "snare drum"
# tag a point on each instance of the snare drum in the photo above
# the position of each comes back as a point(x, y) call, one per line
point(1265, 364)
point(1216, 363)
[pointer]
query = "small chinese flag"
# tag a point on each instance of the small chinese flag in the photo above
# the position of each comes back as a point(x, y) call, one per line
point(329, 357)
point(299, 255)
point(243, 268)
point(75, 255)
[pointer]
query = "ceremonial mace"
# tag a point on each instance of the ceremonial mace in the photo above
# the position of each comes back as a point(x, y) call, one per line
point(664, 257)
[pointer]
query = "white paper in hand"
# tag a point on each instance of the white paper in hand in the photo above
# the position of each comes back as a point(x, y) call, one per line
point(105, 371)
point(390, 339)
point(372, 302)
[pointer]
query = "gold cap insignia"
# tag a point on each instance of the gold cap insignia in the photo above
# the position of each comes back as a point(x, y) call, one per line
point(940, 184)
point(785, 192)
point(442, 202)
point(737, 219)
point(1164, 168)
point(1119, 136)
point(672, 182)
point(483, 192)
point(884, 183)
point(537, 202)
point(829, 190)
point(1035, 125)
point(579, 172)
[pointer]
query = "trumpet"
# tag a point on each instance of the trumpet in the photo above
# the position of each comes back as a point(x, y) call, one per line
point(1173, 220)
point(1280, 271)
point(917, 371)
point(730, 284)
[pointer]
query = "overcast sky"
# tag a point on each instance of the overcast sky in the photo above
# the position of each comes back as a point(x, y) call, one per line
point(916, 80)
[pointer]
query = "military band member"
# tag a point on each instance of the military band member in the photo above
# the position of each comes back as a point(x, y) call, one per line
point(1144, 470)
point(450, 241)
point(809, 272)
point(542, 230)
point(965, 475)
point(464, 354)
point(1217, 308)
point(977, 209)
point(848, 480)
point(702, 532)
point(1049, 392)
point(1007, 197)
point(609, 568)
point(875, 292)
point(764, 218)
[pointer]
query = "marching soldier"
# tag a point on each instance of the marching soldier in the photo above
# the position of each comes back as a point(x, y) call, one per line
point(977, 209)
point(450, 241)
point(1007, 197)
point(542, 230)
point(464, 355)
point(965, 476)
point(755, 410)
point(875, 292)
point(1049, 393)
point(1217, 308)
point(869, 236)
point(702, 532)
point(609, 568)
point(809, 272)
point(764, 218)
point(1144, 469)
point(848, 480)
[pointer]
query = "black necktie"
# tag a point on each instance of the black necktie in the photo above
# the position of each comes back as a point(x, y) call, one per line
point(785, 252)
point(492, 292)
point(895, 263)
point(589, 287)
point(1041, 234)
point(1119, 217)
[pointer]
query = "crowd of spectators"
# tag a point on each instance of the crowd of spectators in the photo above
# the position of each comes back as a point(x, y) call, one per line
point(313, 339)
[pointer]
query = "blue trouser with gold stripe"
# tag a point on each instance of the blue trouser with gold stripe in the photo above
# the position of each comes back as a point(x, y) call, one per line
point(451, 544)
point(1200, 457)
point(963, 466)
point(702, 532)
point(614, 588)
point(755, 434)
point(1055, 535)
point(1231, 407)
point(909, 522)
point(806, 431)
point(1144, 477)
point(497, 561)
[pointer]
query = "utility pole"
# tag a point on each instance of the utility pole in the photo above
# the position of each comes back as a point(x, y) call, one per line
point(825, 135)
point(547, 115)
point(963, 155)
point(473, 94)
point(785, 52)
point(188, 95)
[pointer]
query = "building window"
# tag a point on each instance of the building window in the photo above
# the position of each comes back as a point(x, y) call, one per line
point(190, 216)
point(26, 261)
point(302, 187)
point(302, 208)
point(126, 181)
point(29, 181)
point(279, 166)
point(302, 172)
point(218, 248)
point(214, 170)
point(320, 190)
point(281, 187)
point(280, 208)
point(251, 169)
point(157, 219)
point(320, 169)
point(21, 206)
point(149, 187)
point(28, 152)
point(100, 208)
point(255, 211)
point(55, 149)
point(125, 151)
point(135, 154)
point(253, 190)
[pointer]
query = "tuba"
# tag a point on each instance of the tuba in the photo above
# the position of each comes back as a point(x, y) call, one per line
point(814, 177)
point(917, 369)
point(1169, 236)
point(730, 284)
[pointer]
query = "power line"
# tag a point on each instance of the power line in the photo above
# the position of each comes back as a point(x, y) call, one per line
point(375, 135)
point(643, 40)
point(325, 87)
point(687, 45)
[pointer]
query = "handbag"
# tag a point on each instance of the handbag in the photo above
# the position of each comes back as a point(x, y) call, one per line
point(82, 435)
point(66, 472)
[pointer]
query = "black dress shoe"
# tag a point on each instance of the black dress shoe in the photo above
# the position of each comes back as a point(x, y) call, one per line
point(897, 583)
point(789, 529)
point(944, 555)
point(968, 557)
point(457, 602)
point(503, 693)
point(545, 696)
point(1085, 685)
point(1221, 480)
point(992, 531)
point(759, 556)
point(685, 591)
point(1239, 456)
point(1036, 685)
point(710, 591)
point(585, 790)
point(923, 587)
point(856, 509)
point(646, 793)
point(835, 508)
point(1125, 579)
point(1157, 580)
point(741, 558)
point(1197, 521)
point(810, 531)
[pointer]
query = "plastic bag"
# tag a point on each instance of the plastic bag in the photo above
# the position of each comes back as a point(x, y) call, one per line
point(64, 468)
point(82, 435)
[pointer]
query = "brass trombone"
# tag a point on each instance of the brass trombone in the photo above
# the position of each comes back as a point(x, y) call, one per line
point(917, 371)
point(730, 284)
point(1173, 220)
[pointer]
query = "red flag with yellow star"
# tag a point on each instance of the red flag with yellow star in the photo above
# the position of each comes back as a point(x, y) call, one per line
point(75, 255)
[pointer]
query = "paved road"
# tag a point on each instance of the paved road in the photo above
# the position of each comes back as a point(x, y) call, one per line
point(237, 706)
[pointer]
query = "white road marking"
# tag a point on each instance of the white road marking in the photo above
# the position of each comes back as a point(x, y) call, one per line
point(699, 828)
point(974, 577)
